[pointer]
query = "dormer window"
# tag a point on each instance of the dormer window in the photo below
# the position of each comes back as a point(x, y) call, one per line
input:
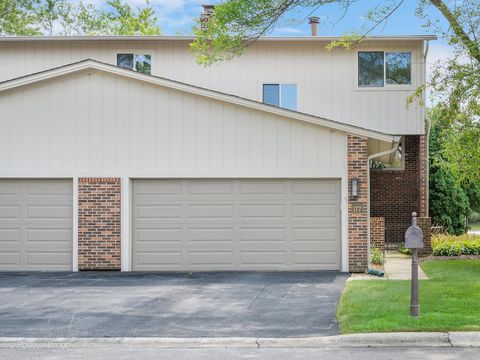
point(380, 69)
point(136, 62)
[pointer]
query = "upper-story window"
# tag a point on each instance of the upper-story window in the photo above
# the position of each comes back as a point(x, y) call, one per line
point(137, 62)
point(282, 95)
point(379, 68)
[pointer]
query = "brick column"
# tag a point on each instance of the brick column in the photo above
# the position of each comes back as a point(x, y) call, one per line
point(377, 233)
point(99, 223)
point(422, 176)
point(357, 207)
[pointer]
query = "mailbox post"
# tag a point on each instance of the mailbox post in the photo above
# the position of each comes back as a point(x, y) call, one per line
point(414, 241)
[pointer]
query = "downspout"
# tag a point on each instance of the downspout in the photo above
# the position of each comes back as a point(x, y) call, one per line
point(427, 139)
point(395, 144)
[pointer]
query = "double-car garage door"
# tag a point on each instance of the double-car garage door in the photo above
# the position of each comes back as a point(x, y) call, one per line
point(35, 225)
point(195, 225)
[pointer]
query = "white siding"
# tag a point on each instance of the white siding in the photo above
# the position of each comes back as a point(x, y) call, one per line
point(325, 79)
point(104, 125)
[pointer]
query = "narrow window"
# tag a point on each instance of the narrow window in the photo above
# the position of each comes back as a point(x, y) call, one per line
point(271, 94)
point(143, 63)
point(281, 95)
point(137, 62)
point(398, 68)
point(370, 68)
point(125, 61)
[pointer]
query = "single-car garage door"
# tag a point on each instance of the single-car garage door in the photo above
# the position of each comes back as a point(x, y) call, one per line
point(201, 225)
point(35, 225)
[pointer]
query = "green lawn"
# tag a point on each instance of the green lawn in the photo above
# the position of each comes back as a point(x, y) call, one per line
point(450, 300)
point(475, 226)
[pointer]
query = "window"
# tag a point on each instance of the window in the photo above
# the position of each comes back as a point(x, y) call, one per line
point(379, 69)
point(281, 95)
point(395, 161)
point(137, 62)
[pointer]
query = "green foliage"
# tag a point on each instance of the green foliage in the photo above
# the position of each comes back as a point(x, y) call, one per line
point(377, 256)
point(451, 201)
point(124, 20)
point(16, 18)
point(64, 17)
point(447, 245)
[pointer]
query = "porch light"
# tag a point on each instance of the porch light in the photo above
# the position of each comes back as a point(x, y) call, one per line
point(354, 187)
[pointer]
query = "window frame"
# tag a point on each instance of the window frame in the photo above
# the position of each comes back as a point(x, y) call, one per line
point(280, 84)
point(386, 87)
point(134, 53)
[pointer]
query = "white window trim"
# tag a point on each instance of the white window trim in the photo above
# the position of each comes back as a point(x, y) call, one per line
point(279, 92)
point(134, 53)
point(387, 87)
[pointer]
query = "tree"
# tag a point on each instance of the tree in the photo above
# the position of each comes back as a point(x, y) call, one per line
point(65, 17)
point(16, 18)
point(449, 202)
point(235, 24)
point(124, 20)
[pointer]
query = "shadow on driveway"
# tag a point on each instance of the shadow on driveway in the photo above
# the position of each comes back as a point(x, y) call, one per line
point(225, 304)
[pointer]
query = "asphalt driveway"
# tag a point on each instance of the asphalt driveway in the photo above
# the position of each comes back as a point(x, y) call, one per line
point(94, 304)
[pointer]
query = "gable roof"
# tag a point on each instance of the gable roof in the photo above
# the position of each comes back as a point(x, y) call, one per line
point(89, 65)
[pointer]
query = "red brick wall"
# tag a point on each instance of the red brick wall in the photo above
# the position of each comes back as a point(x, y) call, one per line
point(377, 232)
point(357, 207)
point(395, 194)
point(99, 223)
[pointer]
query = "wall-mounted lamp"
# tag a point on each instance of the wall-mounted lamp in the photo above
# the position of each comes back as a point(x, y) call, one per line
point(354, 187)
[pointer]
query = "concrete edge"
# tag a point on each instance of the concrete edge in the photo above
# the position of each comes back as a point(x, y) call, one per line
point(432, 339)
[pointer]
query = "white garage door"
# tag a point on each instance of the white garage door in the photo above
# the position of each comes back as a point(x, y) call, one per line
point(35, 225)
point(201, 225)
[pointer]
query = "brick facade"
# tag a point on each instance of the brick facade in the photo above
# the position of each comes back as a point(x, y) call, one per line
point(357, 207)
point(395, 194)
point(377, 232)
point(99, 223)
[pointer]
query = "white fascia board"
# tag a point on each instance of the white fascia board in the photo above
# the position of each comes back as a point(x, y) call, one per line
point(192, 38)
point(88, 65)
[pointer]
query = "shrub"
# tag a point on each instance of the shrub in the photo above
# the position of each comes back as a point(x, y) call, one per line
point(448, 245)
point(377, 256)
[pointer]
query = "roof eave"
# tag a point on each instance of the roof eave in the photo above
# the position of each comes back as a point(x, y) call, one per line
point(96, 65)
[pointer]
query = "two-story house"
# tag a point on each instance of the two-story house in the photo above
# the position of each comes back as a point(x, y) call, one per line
point(123, 153)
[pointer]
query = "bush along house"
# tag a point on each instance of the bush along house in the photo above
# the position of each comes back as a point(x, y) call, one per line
point(120, 153)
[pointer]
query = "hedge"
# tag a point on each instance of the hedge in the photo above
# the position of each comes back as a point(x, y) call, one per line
point(450, 245)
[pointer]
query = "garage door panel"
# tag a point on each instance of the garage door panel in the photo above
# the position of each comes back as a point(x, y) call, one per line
point(211, 211)
point(159, 212)
point(36, 231)
point(255, 234)
point(49, 212)
point(164, 235)
point(240, 225)
point(9, 235)
point(9, 212)
point(313, 234)
point(49, 235)
point(9, 260)
point(211, 234)
point(161, 260)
